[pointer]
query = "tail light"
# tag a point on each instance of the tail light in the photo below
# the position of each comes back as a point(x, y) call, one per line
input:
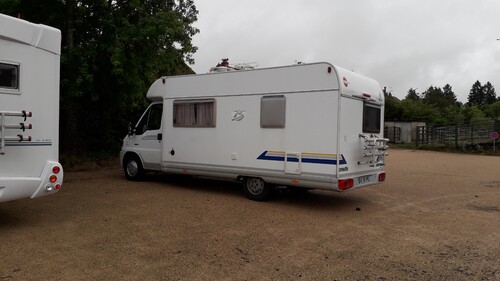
point(381, 177)
point(345, 184)
point(56, 169)
point(53, 178)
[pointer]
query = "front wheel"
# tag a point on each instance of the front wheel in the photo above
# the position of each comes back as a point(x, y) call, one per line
point(133, 168)
point(256, 189)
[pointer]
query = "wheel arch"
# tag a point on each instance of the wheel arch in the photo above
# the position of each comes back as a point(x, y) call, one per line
point(131, 154)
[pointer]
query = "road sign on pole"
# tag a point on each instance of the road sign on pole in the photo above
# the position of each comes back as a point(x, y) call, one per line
point(494, 136)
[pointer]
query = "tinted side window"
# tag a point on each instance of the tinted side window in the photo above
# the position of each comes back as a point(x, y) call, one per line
point(9, 76)
point(371, 118)
point(272, 112)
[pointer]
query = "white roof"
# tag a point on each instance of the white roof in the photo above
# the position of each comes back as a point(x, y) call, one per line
point(37, 35)
point(293, 78)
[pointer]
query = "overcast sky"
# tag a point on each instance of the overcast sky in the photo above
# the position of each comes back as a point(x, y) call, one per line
point(401, 43)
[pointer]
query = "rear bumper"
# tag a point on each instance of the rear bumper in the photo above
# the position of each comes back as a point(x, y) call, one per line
point(13, 188)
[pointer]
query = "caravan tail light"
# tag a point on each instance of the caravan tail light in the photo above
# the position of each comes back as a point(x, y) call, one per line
point(381, 177)
point(58, 186)
point(53, 178)
point(56, 169)
point(346, 184)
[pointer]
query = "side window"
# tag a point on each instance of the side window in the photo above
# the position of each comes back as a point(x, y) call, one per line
point(194, 113)
point(151, 120)
point(272, 112)
point(9, 76)
point(371, 118)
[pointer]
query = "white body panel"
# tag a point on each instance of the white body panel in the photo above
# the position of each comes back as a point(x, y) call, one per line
point(25, 166)
point(321, 134)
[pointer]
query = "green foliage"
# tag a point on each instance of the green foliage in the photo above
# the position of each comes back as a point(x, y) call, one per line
point(392, 109)
point(111, 52)
point(412, 94)
point(438, 97)
point(437, 105)
point(482, 95)
point(419, 111)
point(493, 110)
point(489, 93)
point(476, 94)
point(472, 113)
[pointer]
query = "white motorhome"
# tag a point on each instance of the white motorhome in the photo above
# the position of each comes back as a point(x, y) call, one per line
point(308, 125)
point(29, 109)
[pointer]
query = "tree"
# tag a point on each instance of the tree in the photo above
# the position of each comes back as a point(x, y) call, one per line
point(449, 95)
point(473, 113)
point(392, 107)
point(111, 52)
point(493, 110)
point(419, 111)
point(412, 94)
point(438, 97)
point(476, 94)
point(490, 95)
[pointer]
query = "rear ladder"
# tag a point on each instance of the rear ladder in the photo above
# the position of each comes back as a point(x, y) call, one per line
point(4, 138)
point(374, 150)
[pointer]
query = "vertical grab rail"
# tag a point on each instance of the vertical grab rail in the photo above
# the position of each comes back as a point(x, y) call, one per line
point(2, 141)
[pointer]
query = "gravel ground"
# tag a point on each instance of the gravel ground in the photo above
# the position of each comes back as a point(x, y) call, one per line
point(437, 217)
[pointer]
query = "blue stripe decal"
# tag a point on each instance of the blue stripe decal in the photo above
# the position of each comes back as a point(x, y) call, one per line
point(315, 160)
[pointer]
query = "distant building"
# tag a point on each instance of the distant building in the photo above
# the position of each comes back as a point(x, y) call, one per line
point(401, 132)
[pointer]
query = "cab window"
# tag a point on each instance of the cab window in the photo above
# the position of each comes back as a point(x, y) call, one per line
point(151, 120)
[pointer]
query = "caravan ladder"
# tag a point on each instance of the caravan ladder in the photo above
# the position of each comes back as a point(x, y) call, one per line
point(4, 137)
point(374, 150)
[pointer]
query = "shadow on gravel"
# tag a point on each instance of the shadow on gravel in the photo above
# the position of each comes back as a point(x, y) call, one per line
point(321, 200)
point(7, 219)
point(198, 184)
point(301, 198)
point(17, 213)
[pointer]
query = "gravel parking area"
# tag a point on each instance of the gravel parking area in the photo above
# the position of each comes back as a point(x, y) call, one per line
point(437, 217)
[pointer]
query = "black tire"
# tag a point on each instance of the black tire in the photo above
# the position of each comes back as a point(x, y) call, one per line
point(133, 169)
point(257, 189)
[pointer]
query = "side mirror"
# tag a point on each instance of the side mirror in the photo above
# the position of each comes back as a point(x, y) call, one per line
point(130, 131)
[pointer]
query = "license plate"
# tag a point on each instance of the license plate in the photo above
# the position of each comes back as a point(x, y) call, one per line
point(363, 179)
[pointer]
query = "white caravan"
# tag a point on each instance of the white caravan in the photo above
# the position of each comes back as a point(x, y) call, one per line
point(308, 125)
point(29, 109)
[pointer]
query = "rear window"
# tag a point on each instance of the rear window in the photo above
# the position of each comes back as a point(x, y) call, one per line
point(9, 76)
point(371, 118)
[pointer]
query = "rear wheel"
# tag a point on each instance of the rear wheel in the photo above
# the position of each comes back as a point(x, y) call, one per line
point(133, 169)
point(256, 189)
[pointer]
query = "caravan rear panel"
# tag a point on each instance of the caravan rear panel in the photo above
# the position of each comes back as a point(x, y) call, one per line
point(29, 109)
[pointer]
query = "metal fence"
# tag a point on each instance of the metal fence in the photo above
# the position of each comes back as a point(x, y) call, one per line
point(464, 136)
point(393, 133)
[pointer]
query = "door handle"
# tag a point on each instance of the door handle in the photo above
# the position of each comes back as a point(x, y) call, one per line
point(160, 136)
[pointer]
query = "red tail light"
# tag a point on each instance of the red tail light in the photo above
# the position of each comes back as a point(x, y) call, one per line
point(381, 177)
point(345, 184)
point(58, 186)
point(56, 169)
point(53, 178)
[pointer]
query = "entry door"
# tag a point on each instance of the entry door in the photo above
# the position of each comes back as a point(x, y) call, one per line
point(148, 137)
